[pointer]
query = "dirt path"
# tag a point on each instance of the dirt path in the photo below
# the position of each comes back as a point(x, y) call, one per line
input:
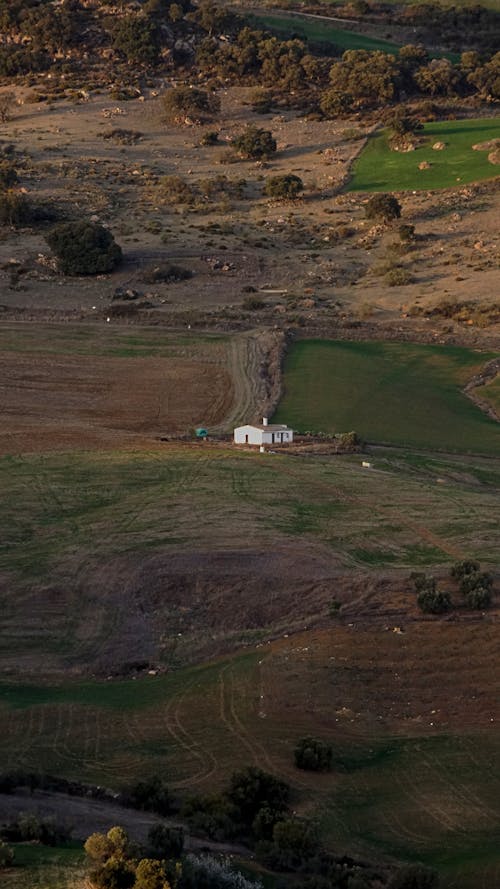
point(86, 816)
point(254, 365)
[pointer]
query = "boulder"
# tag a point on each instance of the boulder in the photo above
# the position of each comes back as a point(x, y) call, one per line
point(424, 165)
point(494, 156)
point(438, 146)
point(490, 145)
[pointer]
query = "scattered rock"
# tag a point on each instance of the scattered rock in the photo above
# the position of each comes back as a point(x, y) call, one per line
point(494, 156)
point(438, 146)
point(424, 165)
point(490, 145)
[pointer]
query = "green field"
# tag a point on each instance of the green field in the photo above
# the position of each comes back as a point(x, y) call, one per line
point(388, 392)
point(321, 32)
point(405, 785)
point(45, 867)
point(380, 169)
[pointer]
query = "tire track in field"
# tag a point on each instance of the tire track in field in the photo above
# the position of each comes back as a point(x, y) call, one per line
point(187, 741)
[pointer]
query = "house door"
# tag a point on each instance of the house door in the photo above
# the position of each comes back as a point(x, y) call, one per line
point(272, 437)
point(246, 439)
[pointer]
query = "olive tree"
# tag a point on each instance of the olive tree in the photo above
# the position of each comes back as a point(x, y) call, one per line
point(84, 248)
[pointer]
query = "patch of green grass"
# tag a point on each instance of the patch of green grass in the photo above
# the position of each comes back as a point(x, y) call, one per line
point(379, 169)
point(320, 31)
point(45, 867)
point(395, 393)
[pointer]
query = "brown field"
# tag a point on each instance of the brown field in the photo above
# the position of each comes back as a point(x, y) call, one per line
point(317, 260)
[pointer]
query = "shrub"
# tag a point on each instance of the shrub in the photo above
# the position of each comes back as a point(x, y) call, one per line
point(6, 855)
point(166, 842)
point(7, 105)
point(8, 175)
point(136, 38)
point(253, 304)
point(475, 579)
point(414, 877)
point(212, 873)
point(313, 755)
point(150, 796)
point(461, 569)
point(15, 209)
point(294, 844)
point(406, 233)
point(422, 582)
point(84, 248)
point(398, 277)
point(255, 143)
point(284, 187)
point(432, 601)
point(210, 138)
point(214, 816)
point(182, 102)
point(175, 189)
point(165, 273)
point(384, 207)
point(252, 789)
point(479, 598)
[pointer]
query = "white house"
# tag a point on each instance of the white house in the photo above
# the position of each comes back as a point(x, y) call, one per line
point(263, 434)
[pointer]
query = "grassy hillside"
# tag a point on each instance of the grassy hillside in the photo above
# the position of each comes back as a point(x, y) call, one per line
point(388, 392)
point(380, 169)
point(414, 743)
point(320, 31)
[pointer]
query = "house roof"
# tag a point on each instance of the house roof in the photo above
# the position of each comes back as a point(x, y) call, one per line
point(271, 427)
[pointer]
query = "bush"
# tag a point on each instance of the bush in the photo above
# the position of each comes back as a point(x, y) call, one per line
point(398, 277)
point(136, 38)
point(255, 143)
point(415, 877)
point(175, 189)
point(461, 569)
point(165, 273)
point(432, 601)
point(384, 207)
point(166, 842)
point(8, 175)
point(479, 598)
point(252, 789)
point(182, 102)
point(284, 187)
point(210, 138)
point(6, 855)
point(84, 248)
point(150, 796)
point(253, 304)
point(474, 580)
point(15, 209)
point(294, 844)
point(313, 755)
point(422, 582)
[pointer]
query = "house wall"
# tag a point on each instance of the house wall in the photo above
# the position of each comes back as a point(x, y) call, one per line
point(261, 436)
point(255, 436)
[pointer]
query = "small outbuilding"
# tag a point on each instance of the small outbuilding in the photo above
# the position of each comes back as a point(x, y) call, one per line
point(264, 433)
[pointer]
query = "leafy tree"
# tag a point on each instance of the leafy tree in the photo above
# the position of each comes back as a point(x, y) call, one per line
point(152, 796)
point(253, 789)
point(114, 874)
point(403, 124)
point(84, 248)
point(214, 816)
point(415, 876)
point(313, 755)
point(166, 842)
point(255, 143)
point(294, 844)
point(486, 78)
point(384, 207)
point(369, 77)
point(438, 78)
point(137, 38)
point(150, 874)
point(181, 102)
point(286, 187)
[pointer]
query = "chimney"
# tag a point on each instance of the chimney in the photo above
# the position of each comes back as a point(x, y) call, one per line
point(264, 421)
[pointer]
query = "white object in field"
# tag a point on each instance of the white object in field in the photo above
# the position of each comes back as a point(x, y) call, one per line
point(367, 465)
point(264, 433)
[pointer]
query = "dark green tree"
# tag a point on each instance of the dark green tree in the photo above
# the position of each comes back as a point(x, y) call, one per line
point(84, 248)
point(384, 207)
point(314, 755)
point(255, 143)
point(285, 188)
point(181, 102)
point(137, 39)
point(252, 789)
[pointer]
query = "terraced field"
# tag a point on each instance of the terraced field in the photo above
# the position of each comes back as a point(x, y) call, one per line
point(402, 394)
